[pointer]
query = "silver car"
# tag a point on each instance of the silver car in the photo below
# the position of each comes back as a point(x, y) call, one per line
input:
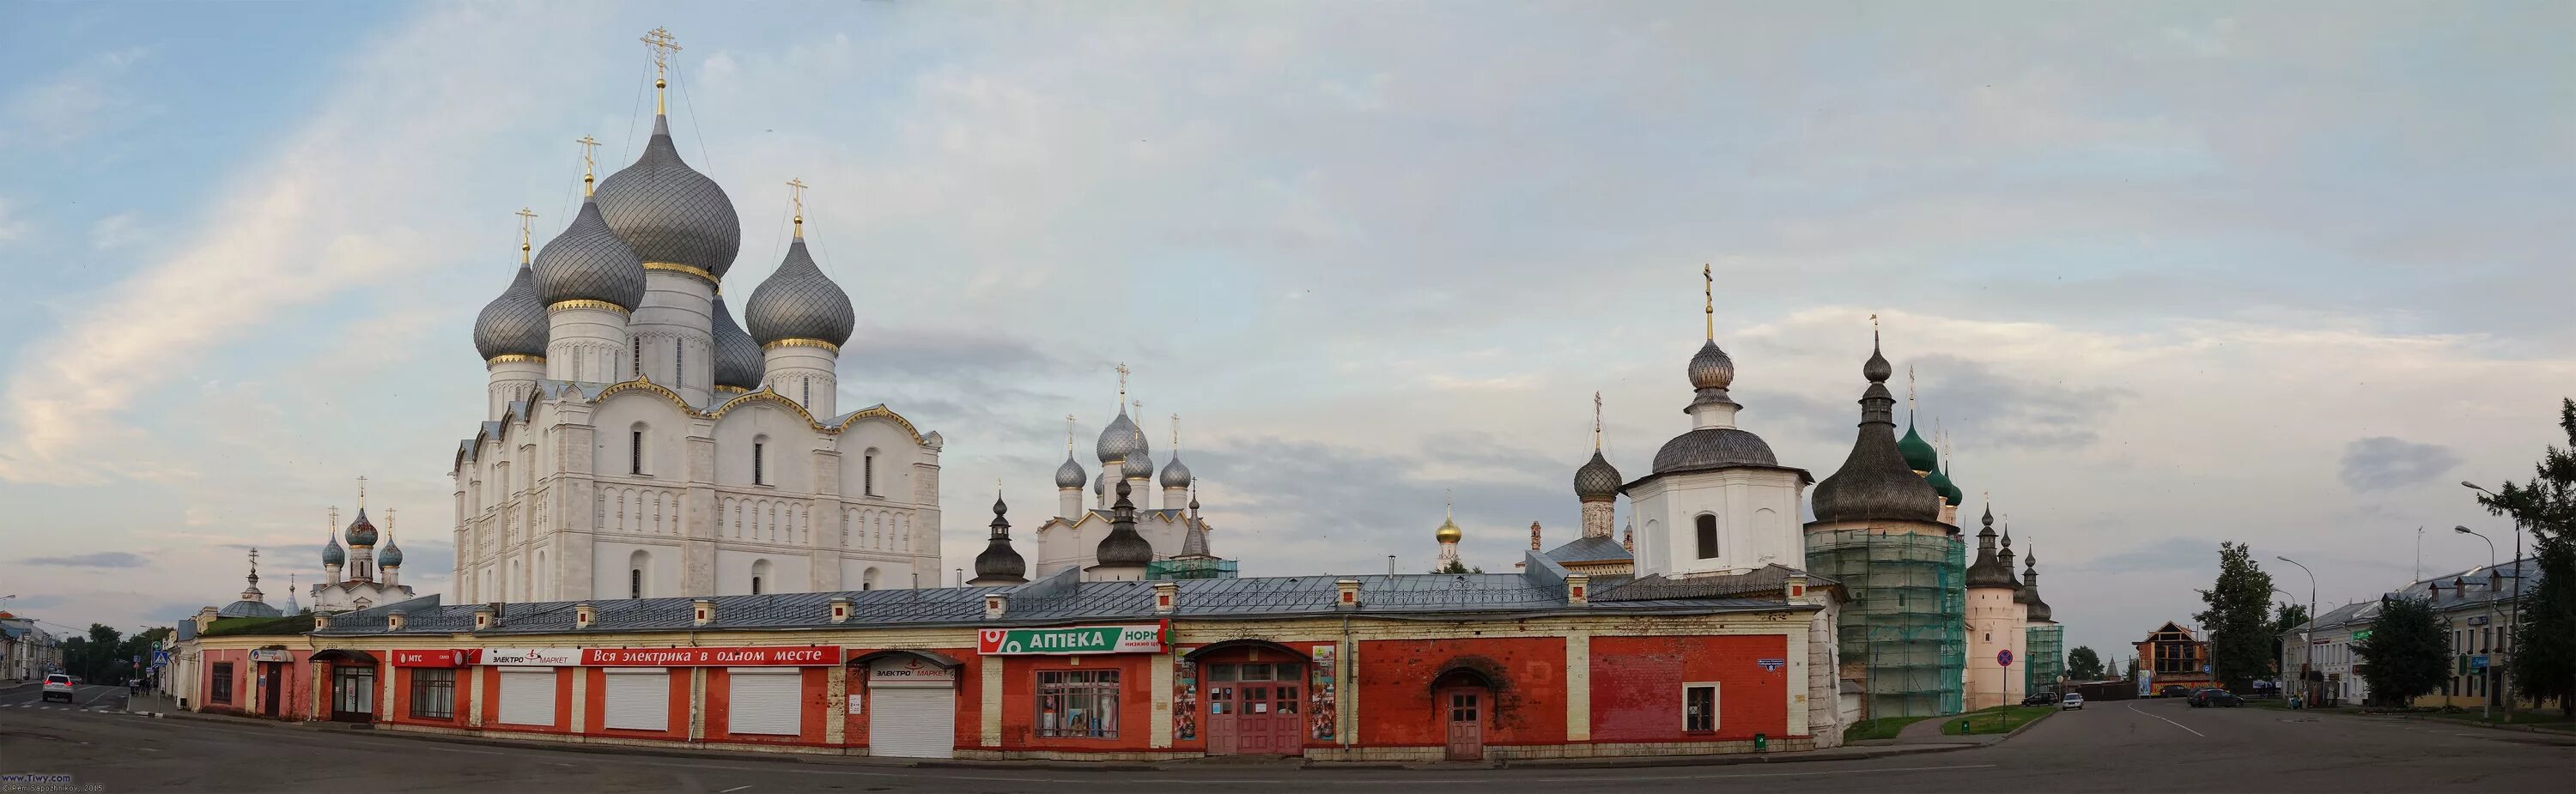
point(2074, 700)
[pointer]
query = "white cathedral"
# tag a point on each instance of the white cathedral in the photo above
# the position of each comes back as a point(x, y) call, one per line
point(637, 443)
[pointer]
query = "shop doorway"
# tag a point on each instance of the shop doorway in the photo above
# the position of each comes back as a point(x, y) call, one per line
point(353, 694)
point(911, 703)
point(272, 683)
point(1462, 700)
point(1256, 708)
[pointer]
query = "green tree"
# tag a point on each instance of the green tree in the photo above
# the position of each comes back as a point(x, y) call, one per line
point(2408, 651)
point(2083, 664)
point(2543, 661)
point(1455, 566)
point(2239, 617)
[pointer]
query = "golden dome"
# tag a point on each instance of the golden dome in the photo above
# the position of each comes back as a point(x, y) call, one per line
point(1449, 532)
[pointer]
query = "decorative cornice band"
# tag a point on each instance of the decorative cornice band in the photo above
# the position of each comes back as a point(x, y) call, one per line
point(803, 342)
point(514, 358)
point(676, 267)
point(584, 303)
point(722, 389)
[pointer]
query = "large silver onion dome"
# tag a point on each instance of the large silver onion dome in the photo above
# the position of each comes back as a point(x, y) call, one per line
point(1175, 474)
point(1138, 466)
point(513, 324)
point(669, 212)
point(362, 532)
point(1596, 480)
point(589, 262)
point(738, 360)
point(799, 302)
point(1070, 474)
point(1121, 439)
point(332, 554)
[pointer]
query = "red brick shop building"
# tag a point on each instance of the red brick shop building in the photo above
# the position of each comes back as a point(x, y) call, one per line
point(1411, 667)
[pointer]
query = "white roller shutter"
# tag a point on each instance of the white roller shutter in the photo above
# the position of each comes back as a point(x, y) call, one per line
point(638, 700)
point(912, 721)
point(764, 701)
point(528, 697)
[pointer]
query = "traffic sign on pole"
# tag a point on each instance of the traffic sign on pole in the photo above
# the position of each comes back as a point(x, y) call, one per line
point(2004, 657)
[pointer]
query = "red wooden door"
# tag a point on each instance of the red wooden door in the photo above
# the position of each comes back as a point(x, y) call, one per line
point(1465, 709)
point(1256, 709)
point(1223, 713)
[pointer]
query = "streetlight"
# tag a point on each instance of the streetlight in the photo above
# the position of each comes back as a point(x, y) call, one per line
point(2485, 709)
point(2312, 612)
point(2513, 606)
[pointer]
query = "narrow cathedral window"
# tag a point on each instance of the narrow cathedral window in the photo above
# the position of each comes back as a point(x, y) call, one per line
point(808, 386)
point(637, 367)
point(680, 362)
point(635, 583)
point(868, 474)
point(1707, 537)
point(635, 452)
point(756, 473)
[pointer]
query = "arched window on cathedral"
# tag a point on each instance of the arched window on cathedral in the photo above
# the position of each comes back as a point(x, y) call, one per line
point(759, 460)
point(868, 579)
point(759, 576)
point(868, 472)
point(636, 565)
point(635, 449)
point(1707, 531)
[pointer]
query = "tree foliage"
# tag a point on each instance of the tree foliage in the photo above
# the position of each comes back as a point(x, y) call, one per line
point(2285, 618)
point(2543, 661)
point(1455, 566)
point(2239, 618)
point(2408, 650)
point(107, 656)
point(2083, 664)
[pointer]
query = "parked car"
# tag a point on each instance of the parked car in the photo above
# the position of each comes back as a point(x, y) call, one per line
point(59, 686)
point(2074, 702)
point(2039, 699)
point(2212, 698)
point(2175, 691)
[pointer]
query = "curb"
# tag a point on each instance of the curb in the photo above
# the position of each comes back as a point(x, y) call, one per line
point(1734, 759)
point(2468, 724)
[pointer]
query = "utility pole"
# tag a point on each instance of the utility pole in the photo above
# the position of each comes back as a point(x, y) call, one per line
point(2513, 627)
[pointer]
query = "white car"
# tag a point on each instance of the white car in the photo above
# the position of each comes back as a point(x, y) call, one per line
point(59, 685)
point(2074, 700)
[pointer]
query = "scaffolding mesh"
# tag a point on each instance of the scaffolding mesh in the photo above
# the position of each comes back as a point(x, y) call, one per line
point(1906, 625)
point(2047, 652)
point(1165, 570)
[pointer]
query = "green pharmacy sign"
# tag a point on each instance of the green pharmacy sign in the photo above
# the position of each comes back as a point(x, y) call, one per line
point(1067, 640)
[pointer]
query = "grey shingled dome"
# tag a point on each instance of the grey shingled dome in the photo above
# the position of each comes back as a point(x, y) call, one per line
point(589, 262)
point(1988, 571)
point(2033, 607)
point(1070, 474)
point(1122, 547)
point(668, 212)
point(1597, 479)
point(1875, 484)
point(799, 302)
point(513, 324)
point(1710, 368)
point(1137, 467)
point(1711, 448)
point(391, 557)
point(738, 362)
point(332, 553)
point(999, 560)
point(1175, 474)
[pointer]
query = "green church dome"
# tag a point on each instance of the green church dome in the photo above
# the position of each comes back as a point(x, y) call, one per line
point(1918, 453)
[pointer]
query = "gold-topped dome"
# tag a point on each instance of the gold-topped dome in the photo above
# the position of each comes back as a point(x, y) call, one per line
point(1449, 531)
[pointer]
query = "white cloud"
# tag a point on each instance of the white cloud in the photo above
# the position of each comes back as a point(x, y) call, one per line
point(115, 231)
point(80, 101)
point(11, 227)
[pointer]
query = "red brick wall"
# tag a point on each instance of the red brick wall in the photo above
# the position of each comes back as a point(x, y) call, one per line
point(1019, 702)
point(1396, 708)
point(1637, 686)
point(295, 679)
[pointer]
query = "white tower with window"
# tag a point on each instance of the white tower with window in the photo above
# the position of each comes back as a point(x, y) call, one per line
point(1717, 500)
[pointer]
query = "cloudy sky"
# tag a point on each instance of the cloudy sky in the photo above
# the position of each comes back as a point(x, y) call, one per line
point(2169, 275)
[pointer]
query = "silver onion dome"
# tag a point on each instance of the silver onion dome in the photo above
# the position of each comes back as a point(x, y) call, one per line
point(669, 212)
point(1597, 479)
point(1175, 474)
point(332, 553)
point(1137, 467)
point(799, 302)
point(1710, 368)
point(513, 324)
point(589, 262)
point(738, 362)
point(391, 557)
point(1070, 474)
point(1121, 439)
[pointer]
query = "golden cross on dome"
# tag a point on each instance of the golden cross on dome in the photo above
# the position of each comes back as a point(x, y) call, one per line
point(1122, 385)
point(1068, 433)
point(796, 192)
point(1708, 299)
point(362, 492)
point(662, 44)
point(588, 145)
point(526, 216)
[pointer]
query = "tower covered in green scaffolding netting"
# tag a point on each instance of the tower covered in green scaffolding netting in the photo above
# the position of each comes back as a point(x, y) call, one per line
point(2046, 641)
point(1879, 531)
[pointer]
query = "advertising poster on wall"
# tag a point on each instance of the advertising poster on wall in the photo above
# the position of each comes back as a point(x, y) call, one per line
point(1185, 699)
point(1320, 713)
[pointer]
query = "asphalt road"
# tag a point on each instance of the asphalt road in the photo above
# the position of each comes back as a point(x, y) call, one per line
point(2145, 746)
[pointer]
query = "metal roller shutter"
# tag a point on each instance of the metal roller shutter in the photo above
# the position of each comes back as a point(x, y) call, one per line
point(638, 700)
point(912, 722)
point(528, 697)
point(764, 701)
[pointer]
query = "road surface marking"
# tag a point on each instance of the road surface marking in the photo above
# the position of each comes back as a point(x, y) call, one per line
point(732, 790)
point(2133, 707)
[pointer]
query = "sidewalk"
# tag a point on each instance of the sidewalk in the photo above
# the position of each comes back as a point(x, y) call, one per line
point(1835, 754)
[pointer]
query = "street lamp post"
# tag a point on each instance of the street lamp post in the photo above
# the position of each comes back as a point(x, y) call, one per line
point(2312, 605)
point(2284, 661)
point(2513, 607)
point(2485, 708)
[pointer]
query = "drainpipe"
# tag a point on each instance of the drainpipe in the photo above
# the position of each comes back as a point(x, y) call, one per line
point(1339, 685)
